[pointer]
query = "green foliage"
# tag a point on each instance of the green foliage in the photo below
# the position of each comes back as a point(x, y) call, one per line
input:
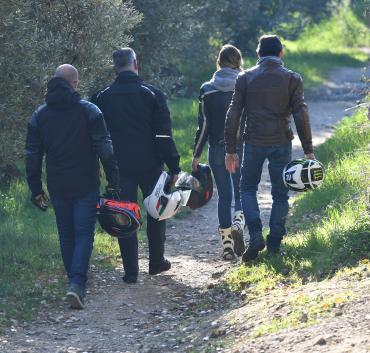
point(242, 22)
point(330, 43)
point(361, 9)
point(36, 37)
point(329, 227)
point(172, 33)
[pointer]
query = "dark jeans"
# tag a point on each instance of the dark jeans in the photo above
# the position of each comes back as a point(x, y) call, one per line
point(253, 159)
point(156, 230)
point(76, 222)
point(226, 183)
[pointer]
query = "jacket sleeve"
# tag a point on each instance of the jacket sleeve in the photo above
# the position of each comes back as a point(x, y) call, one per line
point(103, 144)
point(234, 114)
point(201, 135)
point(300, 114)
point(34, 156)
point(162, 126)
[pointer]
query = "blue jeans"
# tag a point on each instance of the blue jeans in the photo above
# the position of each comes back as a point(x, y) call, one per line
point(253, 159)
point(226, 183)
point(76, 222)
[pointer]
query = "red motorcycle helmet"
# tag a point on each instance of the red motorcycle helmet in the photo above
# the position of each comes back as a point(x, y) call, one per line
point(119, 218)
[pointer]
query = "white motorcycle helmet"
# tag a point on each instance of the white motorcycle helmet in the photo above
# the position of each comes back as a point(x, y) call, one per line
point(303, 175)
point(163, 203)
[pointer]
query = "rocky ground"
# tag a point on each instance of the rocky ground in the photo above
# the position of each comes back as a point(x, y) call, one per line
point(184, 311)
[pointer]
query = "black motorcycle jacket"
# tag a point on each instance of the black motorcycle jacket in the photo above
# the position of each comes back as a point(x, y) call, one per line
point(138, 120)
point(72, 135)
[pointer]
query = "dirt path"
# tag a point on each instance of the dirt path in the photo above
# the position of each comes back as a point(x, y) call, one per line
point(176, 312)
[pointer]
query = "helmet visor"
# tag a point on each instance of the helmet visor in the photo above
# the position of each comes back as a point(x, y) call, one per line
point(187, 182)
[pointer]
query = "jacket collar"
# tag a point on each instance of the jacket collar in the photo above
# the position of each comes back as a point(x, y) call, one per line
point(269, 59)
point(60, 94)
point(224, 79)
point(127, 77)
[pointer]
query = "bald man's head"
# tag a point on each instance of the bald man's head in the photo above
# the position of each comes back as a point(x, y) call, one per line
point(69, 73)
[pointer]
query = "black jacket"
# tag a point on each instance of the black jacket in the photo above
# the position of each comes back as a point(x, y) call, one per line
point(72, 134)
point(214, 100)
point(139, 122)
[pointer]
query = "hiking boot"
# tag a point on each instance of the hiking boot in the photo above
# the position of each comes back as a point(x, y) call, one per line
point(129, 278)
point(257, 244)
point(76, 296)
point(237, 232)
point(275, 251)
point(273, 245)
point(227, 242)
point(164, 266)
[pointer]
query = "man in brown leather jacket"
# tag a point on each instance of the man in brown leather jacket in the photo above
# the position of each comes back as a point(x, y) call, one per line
point(269, 94)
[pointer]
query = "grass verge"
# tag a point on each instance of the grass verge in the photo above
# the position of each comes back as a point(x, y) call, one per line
point(329, 228)
point(31, 270)
point(332, 43)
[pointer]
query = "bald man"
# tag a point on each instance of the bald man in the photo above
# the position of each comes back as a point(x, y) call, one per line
point(71, 133)
point(69, 73)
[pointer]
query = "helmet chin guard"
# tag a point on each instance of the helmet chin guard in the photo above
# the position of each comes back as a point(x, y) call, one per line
point(303, 175)
point(163, 203)
point(197, 187)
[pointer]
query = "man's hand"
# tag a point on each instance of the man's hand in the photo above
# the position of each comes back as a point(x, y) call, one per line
point(41, 201)
point(231, 162)
point(309, 156)
point(194, 164)
point(112, 192)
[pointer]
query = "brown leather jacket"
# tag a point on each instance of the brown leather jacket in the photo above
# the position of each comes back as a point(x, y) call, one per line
point(269, 93)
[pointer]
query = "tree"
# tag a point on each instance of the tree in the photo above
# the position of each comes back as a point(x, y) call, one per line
point(170, 36)
point(37, 36)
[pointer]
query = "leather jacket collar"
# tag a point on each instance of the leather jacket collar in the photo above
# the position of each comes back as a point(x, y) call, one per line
point(269, 59)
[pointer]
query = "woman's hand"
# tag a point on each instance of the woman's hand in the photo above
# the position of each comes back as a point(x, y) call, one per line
point(231, 162)
point(194, 164)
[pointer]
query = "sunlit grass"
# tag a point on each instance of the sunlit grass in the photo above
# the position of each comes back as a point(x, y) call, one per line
point(303, 310)
point(328, 228)
point(329, 44)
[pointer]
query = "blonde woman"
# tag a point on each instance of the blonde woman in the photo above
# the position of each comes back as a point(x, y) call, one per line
point(214, 100)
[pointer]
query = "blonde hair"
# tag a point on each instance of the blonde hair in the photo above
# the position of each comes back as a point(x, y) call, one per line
point(230, 56)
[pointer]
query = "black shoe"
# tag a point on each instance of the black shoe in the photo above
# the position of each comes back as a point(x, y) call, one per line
point(75, 296)
point(129, 278)
point(239, 246)
point(275, 251)
point(256, 244)
point(273, 244)
point(250, 254)
point(164, 266)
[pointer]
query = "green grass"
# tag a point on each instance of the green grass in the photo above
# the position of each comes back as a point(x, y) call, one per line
point(331, 43)
point(329, 227)
point(312, 306)
point(184, 113)
point(31, 270)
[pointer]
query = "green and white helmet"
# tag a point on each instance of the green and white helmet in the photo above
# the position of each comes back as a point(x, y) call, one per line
point(303, 174)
